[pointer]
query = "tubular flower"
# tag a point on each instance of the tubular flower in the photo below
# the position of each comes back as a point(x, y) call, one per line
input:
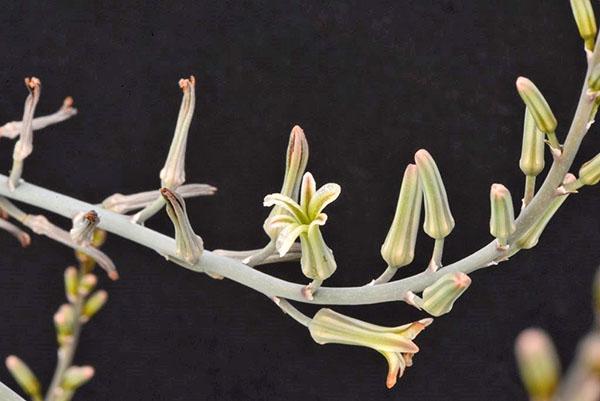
point(394, 343)
point(303, 220)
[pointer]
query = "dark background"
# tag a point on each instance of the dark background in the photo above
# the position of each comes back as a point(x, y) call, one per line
point(370, 82)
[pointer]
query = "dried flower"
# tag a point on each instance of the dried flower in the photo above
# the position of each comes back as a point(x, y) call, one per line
point(586, 21)
point(84, 225)
point(303, 220)
point(93, 305)
point(24, 376)
point(399, 246)
point(172, 174)
point(394, 343)
point(189, 245)
point(439, 222)
point(502, 218)
point(295, 163)
point(538, 363)
point(439, 298)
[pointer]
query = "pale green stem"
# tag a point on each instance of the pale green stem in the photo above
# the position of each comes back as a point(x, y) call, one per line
point(6, 394)
point(385, 277)
point(529, 190)
point(436, 256)
point(15, 174)
point(149, 211)
point(553, 141)
point(261, 255)
point(292, 311)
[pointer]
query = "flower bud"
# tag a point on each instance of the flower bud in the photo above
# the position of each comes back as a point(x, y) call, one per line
point(532, 236)
point(24, 377)
point(71, 283)
point(438, 218)
point(64, 320)
point(394, 343)
point(399, 246)
point(295, 164)
point(172, 174)
point(84, 225)
point(94, 304)
point(538, 363)
point(537, 105)
point(586, 21)
point(76, 376)
point(589, 173)
point(532, 150)
point(189, 245)
point(87, 284)
point(22, 236)
point(439, 297)
point(589, 353)
point(502, 219)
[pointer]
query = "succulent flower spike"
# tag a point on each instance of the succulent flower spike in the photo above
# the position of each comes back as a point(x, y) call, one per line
point(532, 155)
point(439, 297)
point(303, 220)
point(41, 226)
point(295, 163)
point(84, 224)
point(439, 222)
point(172, 174)
point(16, 232)
point(589, 173)
point(394, 343)
point(399, 246)
point(76, 376)
point(24, 146)
point(120, 203)
point(586, 21)
point(502, 219)
point(532, 236)
point(14, 128)
point(538, 363)
point(189, 245)
point(539, 109)
point(23, 375)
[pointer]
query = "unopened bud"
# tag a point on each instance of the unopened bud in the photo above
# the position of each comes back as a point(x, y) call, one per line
point(589, 173)
point(84, 225)
point(439, 297)
point(502, 219)
point(438, 218)
point(537, 105)
point(87, 284)
point(76, 376)
point(172, 174)
point(538, 363)
point(532, 150)
point(24, 377)
point(189, 246)
point(71, 283)
point(589, 353)
point(586, 21)
point(295, 163)
point(64, 320)
point(399, 246)
point(24, 146)
point(94, 304)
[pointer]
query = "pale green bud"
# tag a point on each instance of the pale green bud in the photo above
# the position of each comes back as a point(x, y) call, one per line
point(24, 377)
point(71, 283)
point(537, 105)
point(394, 343)
point(538, 363)
point(589, 173)
point(94, 304)
point(64, 320)
point(295, 163)
point(532, 150)
point(502, 219)
point(76, 376)
point(189, 246)
point(172, 174)
point(87, 284)
point(439, 297)
point(399, 246)
point(532, 236)
point(585, 20)
point(439, 222)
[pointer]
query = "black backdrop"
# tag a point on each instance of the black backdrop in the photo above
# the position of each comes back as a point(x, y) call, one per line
point(370, 82)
